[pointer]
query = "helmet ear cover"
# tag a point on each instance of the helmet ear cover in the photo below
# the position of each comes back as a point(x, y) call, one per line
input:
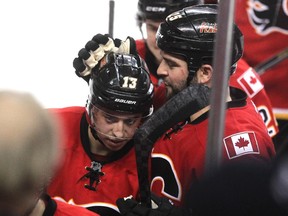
point(191, 33)
point(122, 84)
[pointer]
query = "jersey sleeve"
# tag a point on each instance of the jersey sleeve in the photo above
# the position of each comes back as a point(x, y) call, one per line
point(249, 81)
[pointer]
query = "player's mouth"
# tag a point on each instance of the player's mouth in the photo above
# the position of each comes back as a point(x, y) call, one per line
point(117, 142)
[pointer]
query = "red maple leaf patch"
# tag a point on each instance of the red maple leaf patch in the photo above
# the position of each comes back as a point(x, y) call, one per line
point(253, 80)
point(242, 143)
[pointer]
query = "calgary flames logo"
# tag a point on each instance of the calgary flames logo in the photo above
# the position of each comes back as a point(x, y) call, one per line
point(267, 16)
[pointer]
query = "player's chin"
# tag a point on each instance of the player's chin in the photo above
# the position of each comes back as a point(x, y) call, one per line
point(169, 92)
point(115, 145)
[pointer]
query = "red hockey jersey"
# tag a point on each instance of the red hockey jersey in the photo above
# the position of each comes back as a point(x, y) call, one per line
point(118, 178)
point(178, 159)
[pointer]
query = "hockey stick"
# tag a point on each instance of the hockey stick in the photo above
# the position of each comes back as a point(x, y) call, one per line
point(269, 63)
point(111, 17)
point(177, 109)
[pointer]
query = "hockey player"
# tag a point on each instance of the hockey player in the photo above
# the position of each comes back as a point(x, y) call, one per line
point(29, 156)
point(186, 40)
point(196, 67)
point(99, 164)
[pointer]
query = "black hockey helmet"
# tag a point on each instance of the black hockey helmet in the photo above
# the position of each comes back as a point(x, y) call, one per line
point(191, 32)
point(160, 9)
point(122, 85)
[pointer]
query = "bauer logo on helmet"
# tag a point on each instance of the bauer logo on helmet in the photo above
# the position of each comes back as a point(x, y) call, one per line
point(118, 100)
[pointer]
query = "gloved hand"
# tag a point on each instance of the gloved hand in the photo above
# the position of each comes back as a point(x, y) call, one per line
point(95, 49)
point(160, 207)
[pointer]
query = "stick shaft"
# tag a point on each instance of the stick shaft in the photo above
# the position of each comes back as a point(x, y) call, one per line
point(269, 63)
point(111, 18)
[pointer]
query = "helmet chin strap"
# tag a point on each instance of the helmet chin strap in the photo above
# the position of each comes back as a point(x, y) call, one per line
point(93, 131)
point(94, 134)
point(191, 74)
point(189, 79)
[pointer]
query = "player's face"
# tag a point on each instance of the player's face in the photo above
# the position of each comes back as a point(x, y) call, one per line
point(174, 72)
point(115, 129)
point(151, 29)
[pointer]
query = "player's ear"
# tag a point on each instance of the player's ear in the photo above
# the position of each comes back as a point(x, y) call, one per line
point(205, 74)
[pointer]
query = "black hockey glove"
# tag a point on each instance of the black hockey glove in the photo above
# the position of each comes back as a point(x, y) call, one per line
point(160, 207)
point(95, 49)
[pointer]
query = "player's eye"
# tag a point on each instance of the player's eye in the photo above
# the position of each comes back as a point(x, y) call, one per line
point(111, 119)
point(130, 122)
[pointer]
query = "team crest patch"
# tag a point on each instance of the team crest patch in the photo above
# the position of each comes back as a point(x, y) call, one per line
point(241, 144)
point(250, 83)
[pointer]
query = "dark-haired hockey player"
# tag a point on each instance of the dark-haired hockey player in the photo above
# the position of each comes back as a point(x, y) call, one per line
point(99, 162)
